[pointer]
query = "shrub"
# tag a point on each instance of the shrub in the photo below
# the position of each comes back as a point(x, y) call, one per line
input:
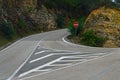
point(60, 21)
point(79, 30)
point(72, 30)
point(21, 23)
point(7, 29)
point(91, 39)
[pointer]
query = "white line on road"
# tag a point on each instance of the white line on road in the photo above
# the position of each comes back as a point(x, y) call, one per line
point(39, 52)
point(23, 63)
point(66, 66)
point(67, 41)
point(43, 70)
point(40, 58)
point(65, 57)
point(71, 61)
point(35, 69)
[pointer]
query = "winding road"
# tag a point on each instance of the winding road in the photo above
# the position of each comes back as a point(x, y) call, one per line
point(50, 56)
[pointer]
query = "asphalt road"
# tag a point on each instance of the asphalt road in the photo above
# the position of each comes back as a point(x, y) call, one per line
point(50, 56)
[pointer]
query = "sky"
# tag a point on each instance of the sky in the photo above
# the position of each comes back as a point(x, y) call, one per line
point(113, 0)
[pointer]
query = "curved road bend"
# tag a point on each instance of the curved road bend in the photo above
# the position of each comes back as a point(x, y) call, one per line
point(48, 56)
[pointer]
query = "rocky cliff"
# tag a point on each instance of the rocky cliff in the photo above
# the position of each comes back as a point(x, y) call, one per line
point(27, 14)
point(106, 23)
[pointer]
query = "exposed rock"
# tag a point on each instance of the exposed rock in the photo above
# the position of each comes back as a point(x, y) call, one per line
point(27, 11)
point(106, 23)
point(110, 44)
point(27, 4)
point(44, 18)
point(18, 3)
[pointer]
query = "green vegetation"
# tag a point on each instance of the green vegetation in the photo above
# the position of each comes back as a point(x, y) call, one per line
point(21, 23)
point(7, 29)
point(78, 31)
point(3, 41)
point(60, 21)
point(78, 8)
point(91, 39)
point(88, 37)
point(66, 10)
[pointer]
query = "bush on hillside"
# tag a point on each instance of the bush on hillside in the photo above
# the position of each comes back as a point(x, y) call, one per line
point(78, 8)
point(79, 30)
point(7, 29)
point(21, 23)
point(60, 21)
point(91, 39)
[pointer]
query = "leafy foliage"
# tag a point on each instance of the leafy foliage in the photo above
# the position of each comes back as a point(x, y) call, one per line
point(79, 30)
point(60, 21)
point(91, 39)
point(7, 29)
point(21, 23)
point(78, 7)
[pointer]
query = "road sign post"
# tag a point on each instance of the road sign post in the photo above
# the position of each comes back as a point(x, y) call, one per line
point(76, 24)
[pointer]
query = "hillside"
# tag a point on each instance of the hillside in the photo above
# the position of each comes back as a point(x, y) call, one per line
point(20, 18)
point(105, 22)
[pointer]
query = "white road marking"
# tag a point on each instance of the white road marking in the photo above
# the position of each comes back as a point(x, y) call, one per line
point(67, 41)
point(88, 57)
point(23, 63)
point(39, 52)
point(66, 66)
point(62, 53)
point(43, 70)
point(40, 58)
point(35, 69)
point(71, 61)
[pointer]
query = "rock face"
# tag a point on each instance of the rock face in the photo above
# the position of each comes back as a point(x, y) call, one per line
point(29, 3)
point(106, 23)
point(28, 12)
point(44, 18)
point(18, 3)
